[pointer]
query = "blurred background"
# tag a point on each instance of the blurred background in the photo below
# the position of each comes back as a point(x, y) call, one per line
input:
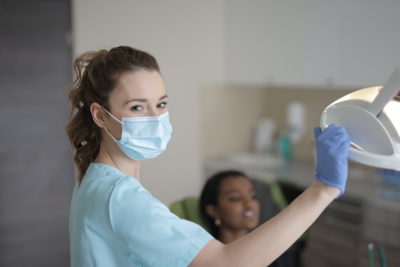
point(247, 82)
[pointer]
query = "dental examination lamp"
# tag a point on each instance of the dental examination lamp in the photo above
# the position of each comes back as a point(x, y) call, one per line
point(371, 117)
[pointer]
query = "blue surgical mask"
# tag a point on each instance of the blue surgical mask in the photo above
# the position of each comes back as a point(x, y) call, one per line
point(143, 137)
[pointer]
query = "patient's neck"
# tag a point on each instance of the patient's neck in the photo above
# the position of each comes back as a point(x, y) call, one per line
point(227, 236)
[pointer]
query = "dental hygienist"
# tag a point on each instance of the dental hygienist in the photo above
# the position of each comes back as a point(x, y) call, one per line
point(119, 117)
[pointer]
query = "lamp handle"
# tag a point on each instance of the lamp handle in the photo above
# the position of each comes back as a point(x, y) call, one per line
point(389, 90)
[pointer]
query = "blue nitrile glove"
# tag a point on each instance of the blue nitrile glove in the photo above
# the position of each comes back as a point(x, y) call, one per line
point(332, 152)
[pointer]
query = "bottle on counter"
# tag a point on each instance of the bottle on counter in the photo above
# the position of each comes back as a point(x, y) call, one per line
point(284, 146)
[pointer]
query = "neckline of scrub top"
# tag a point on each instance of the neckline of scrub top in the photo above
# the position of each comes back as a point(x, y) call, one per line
point(101, 169)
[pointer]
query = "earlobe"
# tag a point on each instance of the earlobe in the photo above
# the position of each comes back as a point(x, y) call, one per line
point(97, 114)
point(211, 211)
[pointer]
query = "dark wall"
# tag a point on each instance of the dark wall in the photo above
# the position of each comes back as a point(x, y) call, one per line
point(36, 171)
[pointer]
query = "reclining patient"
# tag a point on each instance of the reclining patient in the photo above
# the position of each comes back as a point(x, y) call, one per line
point(229, 207)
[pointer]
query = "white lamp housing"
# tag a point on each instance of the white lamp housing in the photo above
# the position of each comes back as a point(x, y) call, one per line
point(371, 117)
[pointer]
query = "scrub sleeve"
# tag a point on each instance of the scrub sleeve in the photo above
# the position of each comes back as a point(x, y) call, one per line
point(149, 230)
point(115, 221)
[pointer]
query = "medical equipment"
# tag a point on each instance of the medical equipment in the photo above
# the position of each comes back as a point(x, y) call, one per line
point(264, 134)
point(382, 258)
point(371, 117)
point(371, 254)
point(295, 119)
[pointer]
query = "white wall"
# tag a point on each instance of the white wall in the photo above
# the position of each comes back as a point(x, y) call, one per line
point(313, 42)
point(188, 40)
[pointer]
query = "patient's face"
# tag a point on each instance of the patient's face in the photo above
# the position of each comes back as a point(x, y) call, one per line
point(237, 204)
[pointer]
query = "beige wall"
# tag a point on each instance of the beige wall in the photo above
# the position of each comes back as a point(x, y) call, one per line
point(188, 40)
point(231, 112)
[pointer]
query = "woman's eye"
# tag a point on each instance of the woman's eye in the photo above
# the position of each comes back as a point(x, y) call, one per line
point(162, 105)
point(254, 196)
point(136, 108)
point(233, 199)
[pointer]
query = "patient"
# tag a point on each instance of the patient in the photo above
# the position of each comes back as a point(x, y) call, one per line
point(229, 207)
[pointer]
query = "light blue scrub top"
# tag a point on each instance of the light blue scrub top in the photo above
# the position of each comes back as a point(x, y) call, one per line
point(114, 221)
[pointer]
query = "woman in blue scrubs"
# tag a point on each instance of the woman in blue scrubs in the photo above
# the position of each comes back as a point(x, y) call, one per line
point(119, 117)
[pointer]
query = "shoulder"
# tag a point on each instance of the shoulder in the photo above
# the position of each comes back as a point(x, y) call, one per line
point(130, 198)
point(123, 182)
point(129, 188)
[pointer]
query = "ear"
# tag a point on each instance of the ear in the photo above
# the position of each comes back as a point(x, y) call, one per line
point(212, 211)
point(98, 114)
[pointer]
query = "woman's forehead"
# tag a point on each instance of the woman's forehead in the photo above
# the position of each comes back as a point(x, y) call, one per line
point(139, 84)
point(240, 183)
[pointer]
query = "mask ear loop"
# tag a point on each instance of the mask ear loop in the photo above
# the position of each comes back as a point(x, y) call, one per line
point(114, 119)
point(112, 116)
point(110, 135)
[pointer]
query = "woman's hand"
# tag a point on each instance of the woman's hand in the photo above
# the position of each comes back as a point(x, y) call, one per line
point(332, 147)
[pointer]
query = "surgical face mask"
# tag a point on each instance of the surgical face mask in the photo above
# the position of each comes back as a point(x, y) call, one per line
point(143, 137)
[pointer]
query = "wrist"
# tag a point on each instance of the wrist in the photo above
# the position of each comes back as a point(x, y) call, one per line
point(326, 190)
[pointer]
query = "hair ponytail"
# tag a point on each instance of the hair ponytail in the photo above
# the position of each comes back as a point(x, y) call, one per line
point(96, 76)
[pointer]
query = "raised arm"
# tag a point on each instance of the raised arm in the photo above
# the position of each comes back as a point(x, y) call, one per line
point(266, 243)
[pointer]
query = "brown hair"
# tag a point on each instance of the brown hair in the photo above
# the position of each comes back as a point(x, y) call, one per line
point(97, 74)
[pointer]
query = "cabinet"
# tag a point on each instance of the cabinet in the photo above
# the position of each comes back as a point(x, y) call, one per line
point(341, 235)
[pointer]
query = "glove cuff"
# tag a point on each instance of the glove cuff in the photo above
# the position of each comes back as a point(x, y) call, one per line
point(325, 181)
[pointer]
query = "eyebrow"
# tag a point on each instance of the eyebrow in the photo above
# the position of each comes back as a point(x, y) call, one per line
point(144, 99)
